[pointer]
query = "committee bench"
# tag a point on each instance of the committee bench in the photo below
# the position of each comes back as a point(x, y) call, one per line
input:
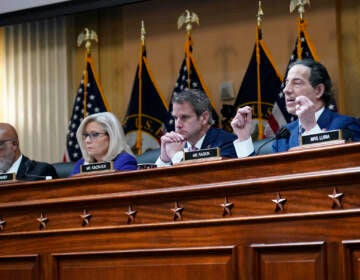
point(293, 215)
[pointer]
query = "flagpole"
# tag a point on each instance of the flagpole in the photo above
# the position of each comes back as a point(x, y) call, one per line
point(187, 18)
point(86, 36)
point(260, 14)
point(299, 6)
point(138, 145)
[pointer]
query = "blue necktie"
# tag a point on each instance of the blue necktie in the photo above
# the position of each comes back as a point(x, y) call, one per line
point(302, 130)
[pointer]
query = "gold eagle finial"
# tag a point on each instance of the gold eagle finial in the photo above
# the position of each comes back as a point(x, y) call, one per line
point(259, 15)
point(87, 35)
point(300, 6)
point(143, 32)
point(187, 18)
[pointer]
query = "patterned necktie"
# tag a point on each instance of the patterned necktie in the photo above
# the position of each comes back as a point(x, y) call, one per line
point(193, 148)
point(301, 129)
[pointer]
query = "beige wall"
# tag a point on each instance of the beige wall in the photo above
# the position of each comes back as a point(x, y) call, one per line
point(222, 44)
point(2, 86)
point(349, 54)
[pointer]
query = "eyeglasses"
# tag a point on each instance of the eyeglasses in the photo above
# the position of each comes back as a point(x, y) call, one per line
point(93, 135)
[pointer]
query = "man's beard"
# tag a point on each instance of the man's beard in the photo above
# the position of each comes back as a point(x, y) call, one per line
point(6, 163)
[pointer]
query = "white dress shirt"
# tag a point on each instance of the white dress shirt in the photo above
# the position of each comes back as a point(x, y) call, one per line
point(15, 166)
point(178, 156)
point(246, 147)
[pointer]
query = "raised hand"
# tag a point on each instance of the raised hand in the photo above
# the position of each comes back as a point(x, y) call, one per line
point(305, 110)
point(242, 123)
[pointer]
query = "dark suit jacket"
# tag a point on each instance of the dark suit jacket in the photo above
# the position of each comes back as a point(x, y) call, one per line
point(216, 137)
point(328, 120)
point(30, 170)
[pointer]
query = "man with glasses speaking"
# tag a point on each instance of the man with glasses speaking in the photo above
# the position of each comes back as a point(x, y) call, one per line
point(13, 161)
point(101, 139)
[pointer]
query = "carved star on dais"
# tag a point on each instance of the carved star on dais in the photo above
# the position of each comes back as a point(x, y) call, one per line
point(2, 224)
point(42, 221)
point(131, 213)
point(85, 218)
point(177, 211)
point(280, 202)
point(227, 207)
point(337, 199)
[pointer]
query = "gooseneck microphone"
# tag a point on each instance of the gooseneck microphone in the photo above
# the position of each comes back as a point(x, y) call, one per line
point(28, 166)
point(346, 134)
point(282, 133)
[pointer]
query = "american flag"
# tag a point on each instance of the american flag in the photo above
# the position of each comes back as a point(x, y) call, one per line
point(190, 78)
point(87, 102)
point(303, 49)
point(260, 86)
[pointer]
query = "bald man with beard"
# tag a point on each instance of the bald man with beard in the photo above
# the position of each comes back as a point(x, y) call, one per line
point(13, 161)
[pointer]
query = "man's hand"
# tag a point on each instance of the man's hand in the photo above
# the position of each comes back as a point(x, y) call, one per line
point(171, 143)
point(242, 123)
point(305, 110)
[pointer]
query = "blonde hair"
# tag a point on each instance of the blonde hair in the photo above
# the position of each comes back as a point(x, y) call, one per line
point(112, 126)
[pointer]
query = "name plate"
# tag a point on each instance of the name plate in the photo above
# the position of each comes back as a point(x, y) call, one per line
point(212, 153)
point(101, 166)
point(7, 177)
point(326, 136)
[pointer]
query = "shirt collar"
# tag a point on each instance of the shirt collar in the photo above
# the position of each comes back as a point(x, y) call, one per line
point(15, 166)
point(198, 144)
point(317, 114)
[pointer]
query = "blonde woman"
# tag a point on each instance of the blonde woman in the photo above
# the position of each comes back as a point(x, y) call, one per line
point(101, 138)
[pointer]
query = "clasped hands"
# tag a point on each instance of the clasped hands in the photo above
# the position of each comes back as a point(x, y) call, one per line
point(171, 143)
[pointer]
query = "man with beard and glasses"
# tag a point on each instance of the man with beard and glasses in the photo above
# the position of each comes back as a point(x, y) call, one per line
point(13, 161)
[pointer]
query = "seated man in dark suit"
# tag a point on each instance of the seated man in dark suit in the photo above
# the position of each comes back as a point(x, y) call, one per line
point(193, 129)
point(307, 95)
point(12, 161)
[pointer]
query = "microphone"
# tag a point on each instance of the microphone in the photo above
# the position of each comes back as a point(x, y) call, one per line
point(346, 134)
point(282, 133)
point(28, 166)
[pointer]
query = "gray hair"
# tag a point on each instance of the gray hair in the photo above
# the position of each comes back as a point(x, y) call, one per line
point(112, 126)
point(198, 100)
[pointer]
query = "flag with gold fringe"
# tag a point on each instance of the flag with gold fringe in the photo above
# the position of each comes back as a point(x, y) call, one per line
point(260, 86)
point(190, 78)
point(303, 49)
point(147, 110)
point(89, 100)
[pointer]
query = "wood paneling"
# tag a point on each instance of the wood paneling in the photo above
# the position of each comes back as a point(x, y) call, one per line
point(348, 33)
point(187, 263)
point(290, 261)
point(231, 225)
point(222, 44)
point(351, 249)
point(20, 267)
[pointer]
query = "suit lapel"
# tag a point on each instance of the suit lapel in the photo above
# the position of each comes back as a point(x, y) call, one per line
point(324, 119)
point(209, 138)
point(21, 171)
point(294, 135)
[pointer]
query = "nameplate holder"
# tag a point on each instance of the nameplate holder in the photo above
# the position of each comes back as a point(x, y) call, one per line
point(6, 177)
point(326, 136)
point(96, 167)
point(203, 154)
